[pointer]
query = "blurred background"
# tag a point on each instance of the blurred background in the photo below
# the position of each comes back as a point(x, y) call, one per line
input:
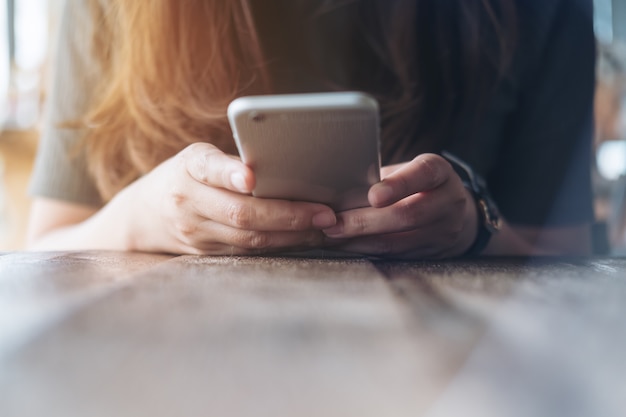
point(26, 29)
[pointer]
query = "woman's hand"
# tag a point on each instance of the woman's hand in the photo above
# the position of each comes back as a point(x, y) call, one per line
point(419, 210)
point(199, 202)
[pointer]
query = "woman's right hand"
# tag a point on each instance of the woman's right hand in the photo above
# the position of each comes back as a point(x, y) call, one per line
point(199, 202)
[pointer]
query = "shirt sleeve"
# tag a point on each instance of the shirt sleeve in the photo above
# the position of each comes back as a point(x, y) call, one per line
point(60, 170)
point(542, 173)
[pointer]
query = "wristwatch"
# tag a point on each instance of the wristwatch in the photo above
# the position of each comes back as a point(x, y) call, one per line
point(488, 215)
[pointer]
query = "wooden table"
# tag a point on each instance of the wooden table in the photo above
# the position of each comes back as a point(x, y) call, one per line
point(114, 334)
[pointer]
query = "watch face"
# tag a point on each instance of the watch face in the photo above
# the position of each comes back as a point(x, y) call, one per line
point(490, 216)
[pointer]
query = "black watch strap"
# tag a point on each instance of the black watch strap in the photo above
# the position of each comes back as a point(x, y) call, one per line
point(488, 214)
point(483, 236)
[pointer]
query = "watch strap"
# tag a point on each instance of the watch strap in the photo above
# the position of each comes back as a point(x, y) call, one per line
point(483, 234)
point(488, 216)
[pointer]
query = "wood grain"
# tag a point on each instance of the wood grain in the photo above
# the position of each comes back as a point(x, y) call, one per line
point(238, 336)
point(547, 336)
point(228, 336)
point(37, 289)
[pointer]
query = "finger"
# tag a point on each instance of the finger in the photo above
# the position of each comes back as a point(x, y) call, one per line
point(413, 212)
point(211, 237)
point(259, 214)
point(425, 172)
point(416, 244)
point(390, 169)
point(210, 166)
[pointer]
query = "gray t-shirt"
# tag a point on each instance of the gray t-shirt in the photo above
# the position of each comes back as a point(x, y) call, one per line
point(60, 169)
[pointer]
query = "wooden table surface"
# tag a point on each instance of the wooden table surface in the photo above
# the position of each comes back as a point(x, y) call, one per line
point(117, 334)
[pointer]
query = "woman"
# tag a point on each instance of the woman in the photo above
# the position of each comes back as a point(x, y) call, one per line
point(136, 153)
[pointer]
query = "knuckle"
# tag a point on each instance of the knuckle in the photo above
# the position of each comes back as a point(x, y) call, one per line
point(293, 217)
point(176, 193)
point(295, 222)
point(186, 229)
point(256, 240)
point(200, 159)
point(435, 169)
point(178, 197)
point(202, 164)
point(358, 224)
point(195, 147)
point(240, 215)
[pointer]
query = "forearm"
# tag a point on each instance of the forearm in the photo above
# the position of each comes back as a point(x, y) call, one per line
point(528, 241)
point(109, 228)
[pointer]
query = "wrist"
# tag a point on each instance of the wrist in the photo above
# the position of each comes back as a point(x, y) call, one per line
point(120, 222)
point(472, 223)
point(487, 214)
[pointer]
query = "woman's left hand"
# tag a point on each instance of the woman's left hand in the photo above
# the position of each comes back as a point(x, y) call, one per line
point(419, 210)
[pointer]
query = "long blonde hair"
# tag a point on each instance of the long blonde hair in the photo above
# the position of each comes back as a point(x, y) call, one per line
point(170, 68)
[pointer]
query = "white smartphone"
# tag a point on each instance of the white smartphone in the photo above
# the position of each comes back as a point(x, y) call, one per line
point(321, 147)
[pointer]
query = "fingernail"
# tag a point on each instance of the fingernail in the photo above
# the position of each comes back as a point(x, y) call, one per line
point(239, 182)
point(382, 193)
point(324, 220)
